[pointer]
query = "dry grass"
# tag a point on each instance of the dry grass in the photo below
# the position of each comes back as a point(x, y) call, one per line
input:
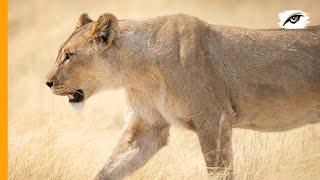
point(49, 140)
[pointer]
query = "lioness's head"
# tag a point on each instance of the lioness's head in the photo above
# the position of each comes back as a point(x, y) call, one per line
point(79, 70)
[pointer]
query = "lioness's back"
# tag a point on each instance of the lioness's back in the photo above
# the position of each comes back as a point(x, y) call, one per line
point(274, 75)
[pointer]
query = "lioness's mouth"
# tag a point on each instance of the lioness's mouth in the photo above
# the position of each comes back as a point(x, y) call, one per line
point(76, 97)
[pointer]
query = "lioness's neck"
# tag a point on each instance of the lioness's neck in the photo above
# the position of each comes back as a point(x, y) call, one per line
point(133, 55)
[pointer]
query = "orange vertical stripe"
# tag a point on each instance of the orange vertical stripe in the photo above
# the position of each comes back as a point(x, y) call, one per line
point(4, 90)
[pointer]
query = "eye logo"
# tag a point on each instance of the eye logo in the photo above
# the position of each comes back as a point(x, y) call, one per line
point(293, 19)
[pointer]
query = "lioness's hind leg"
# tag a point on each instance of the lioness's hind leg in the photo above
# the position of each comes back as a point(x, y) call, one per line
point(216, 146)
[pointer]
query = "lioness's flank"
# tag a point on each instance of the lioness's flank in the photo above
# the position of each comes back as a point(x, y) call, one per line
point(181, 70)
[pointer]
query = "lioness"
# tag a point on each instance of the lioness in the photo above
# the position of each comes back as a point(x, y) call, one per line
point(181, 70)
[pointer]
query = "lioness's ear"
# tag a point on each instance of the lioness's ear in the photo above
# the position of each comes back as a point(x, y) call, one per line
point(105, 29)
point(83, 20)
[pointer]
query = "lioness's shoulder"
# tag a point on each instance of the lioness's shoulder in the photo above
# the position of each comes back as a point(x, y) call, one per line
point(182, 23)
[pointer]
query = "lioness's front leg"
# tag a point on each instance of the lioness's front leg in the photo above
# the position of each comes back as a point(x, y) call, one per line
point(138, 143)
point(216, 145)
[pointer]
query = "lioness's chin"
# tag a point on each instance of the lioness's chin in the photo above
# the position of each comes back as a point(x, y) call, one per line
point(77, 106)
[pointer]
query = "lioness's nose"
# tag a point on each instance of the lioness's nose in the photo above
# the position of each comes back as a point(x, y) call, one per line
point(49, 84)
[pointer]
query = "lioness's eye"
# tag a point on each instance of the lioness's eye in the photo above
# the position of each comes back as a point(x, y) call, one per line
point(293, 19)
point(67, 56)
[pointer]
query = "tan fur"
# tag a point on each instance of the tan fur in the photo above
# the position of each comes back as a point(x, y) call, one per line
point(181, 70)
point(83, 19)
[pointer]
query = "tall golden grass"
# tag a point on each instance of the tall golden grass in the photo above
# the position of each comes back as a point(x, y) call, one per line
point(50, 140)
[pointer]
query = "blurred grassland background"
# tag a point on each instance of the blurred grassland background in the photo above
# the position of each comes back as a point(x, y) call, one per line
point(50, 140)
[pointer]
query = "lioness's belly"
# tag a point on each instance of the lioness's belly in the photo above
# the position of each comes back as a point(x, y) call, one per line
point(279, 114)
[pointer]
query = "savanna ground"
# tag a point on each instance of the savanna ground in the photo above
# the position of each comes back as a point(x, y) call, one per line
point(50, 140)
